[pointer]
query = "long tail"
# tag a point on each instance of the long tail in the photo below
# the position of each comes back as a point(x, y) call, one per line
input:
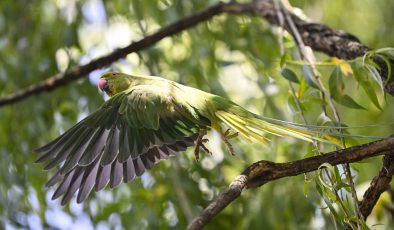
point(254, 127)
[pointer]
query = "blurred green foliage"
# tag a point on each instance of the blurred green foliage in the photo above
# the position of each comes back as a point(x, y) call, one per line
point(231, 55)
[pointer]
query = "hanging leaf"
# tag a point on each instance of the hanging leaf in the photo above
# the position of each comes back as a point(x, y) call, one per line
point(309, 78)
point(336, 84)
point(329, 204)
point(347, 101)
point(387, 51)
point(289, 75)
point(373, 68)
point(366, 85)
point(285, 57)
point(337, 90)
point(303, 87)
point(387, 61)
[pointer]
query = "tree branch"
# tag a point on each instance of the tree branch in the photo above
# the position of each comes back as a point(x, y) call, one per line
point(263, 172)
point(318, 36)
point(379, 184)
point(78, 72)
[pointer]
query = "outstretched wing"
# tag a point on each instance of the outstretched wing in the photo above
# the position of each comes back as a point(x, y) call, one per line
point(130, 133)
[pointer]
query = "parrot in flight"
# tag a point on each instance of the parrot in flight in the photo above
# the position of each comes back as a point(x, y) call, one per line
point(148, 119)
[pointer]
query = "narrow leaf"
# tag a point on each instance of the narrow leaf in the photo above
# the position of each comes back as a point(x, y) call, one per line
point(347, 101)
point(367, 87)
point(290, 75)
point(336, 84)
point(285, 57)
point(309, 78)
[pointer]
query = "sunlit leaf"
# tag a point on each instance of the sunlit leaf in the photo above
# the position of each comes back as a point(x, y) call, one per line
point(302, 88)
point(285, 57)
point(367, 86)
point(347, 101)
point(337, 90)
point(343, 65)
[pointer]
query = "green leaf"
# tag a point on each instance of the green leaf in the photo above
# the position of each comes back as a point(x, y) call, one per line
point(367, 86)
point(285, 57)
point(388, 66)
point(373, 68)
point(330, 194)
point(387, 50)
point(336, 84)
point(326, 168)
point(290, 75)
point(303, 87)
point(347, 101)
point(309, 78)
point(337, 90)
point(333, 211)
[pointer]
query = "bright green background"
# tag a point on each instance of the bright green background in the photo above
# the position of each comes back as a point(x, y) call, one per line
point(233, 56)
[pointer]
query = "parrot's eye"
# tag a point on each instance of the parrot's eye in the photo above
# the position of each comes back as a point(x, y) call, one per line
point(103, 85)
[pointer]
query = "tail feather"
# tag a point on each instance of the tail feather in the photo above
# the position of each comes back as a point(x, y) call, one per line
point(240, 126)
point(253, 127)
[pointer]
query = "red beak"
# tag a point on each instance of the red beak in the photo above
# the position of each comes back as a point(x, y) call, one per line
point(102, 84)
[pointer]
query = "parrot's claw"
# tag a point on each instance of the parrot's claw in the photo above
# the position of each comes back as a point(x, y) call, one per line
point(200, 144)
point(227, 136)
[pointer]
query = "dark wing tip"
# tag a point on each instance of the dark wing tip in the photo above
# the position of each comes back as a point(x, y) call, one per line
point(83, 179)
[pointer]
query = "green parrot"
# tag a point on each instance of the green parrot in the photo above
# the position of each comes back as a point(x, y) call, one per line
point(148, 119)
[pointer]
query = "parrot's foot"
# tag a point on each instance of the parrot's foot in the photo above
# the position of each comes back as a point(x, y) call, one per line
point(227, 136)
point(200, 144)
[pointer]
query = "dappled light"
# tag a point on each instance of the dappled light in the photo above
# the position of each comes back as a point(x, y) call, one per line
point(321, 95)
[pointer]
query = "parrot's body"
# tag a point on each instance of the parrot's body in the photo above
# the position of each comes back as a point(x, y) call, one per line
point(145, 120)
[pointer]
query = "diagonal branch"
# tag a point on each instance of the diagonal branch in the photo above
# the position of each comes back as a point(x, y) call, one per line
point(318, 36)
point(78, 72)
point(263, 172)
point(379, 184)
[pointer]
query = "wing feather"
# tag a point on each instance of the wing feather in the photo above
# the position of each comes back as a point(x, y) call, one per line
point(116, 174)
point(111, 148)
point(128, 135)
point(124, 146)
point(88, 181)
point(128, 170)
point(95, 148)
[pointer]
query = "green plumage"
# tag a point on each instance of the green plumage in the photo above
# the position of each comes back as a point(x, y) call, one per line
point(145, 120)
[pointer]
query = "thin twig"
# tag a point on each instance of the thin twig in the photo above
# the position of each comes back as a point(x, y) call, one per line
point(308, 56)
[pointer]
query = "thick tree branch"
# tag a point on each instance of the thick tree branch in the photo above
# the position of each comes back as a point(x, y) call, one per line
point(379, 184)
point(318, 36)
point(263, 172)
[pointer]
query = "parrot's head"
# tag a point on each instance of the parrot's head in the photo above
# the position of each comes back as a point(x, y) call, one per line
point(113, 83)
